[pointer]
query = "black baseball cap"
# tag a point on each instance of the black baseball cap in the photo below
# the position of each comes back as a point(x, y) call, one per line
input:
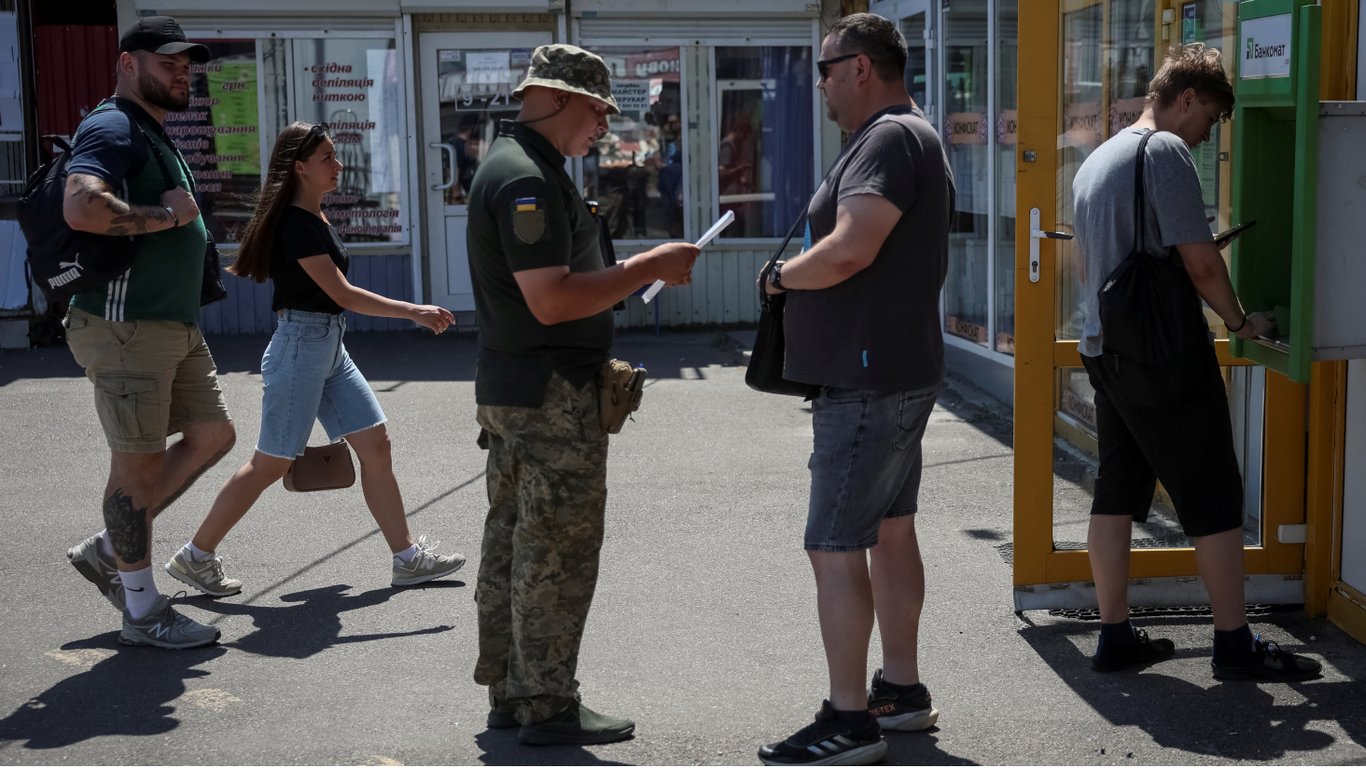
point(161, 34)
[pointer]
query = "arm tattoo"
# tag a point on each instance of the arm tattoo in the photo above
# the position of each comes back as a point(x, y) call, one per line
point(127, 526)
point(134, 222)
point(124, 219)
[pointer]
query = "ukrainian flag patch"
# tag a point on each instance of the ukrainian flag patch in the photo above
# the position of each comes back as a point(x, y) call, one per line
point(528, 220)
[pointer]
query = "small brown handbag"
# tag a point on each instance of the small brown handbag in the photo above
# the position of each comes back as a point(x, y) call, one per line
point(321, 468)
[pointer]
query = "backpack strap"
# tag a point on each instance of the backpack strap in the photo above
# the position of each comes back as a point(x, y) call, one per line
point(113, 102)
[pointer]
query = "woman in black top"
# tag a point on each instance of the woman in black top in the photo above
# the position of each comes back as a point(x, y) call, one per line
point(307, 372)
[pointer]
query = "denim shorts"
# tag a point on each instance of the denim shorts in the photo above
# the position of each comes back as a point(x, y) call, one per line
point(308, 375)
point(865, 463)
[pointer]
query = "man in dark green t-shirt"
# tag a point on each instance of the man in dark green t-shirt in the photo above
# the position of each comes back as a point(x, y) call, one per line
point(138, 337)
point(543, 299)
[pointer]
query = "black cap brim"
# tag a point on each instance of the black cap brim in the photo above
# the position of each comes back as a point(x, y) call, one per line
point(198, 53)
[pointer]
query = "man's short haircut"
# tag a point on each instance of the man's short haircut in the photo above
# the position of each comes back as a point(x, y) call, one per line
point(1192, 66)
point(877, 37)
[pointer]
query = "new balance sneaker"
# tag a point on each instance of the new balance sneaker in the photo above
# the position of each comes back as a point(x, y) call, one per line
point(426, 565)
point(575, 725)
point(905, 710)
point(1268, 662)
point(1114, 657)
point(99, 569)
point(207, 577)
point(163, 627)
point(828, 742)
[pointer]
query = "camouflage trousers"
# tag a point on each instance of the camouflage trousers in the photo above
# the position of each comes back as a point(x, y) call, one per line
point(547, 486)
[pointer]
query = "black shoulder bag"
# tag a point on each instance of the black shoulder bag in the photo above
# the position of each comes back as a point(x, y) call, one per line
point(765, 372)
point(1149, 311)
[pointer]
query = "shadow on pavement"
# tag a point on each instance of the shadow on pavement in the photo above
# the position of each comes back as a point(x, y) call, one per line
point(313, 624)
point(501, 748)
point(126, 694)
point(1230, 720)
point(918, 749)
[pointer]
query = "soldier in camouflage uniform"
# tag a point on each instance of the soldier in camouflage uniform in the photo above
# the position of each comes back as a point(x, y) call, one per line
point(543, 299)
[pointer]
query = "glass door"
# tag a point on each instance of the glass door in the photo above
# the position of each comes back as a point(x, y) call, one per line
point(467, 81)
point(1084, 67)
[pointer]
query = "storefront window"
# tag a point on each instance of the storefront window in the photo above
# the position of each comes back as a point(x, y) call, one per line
point(1082, 129)
point(1007, 133)
point(350, 84)
point(353, 86)
point(1081, 132)
point(966, 82)
point(919, 62)
point(636, 170)
point(765, 145)
point(475, 90)
point(1211, 23)
point(220, 137)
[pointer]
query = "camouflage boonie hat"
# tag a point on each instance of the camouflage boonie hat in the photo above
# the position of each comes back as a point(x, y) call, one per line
point(570, 68)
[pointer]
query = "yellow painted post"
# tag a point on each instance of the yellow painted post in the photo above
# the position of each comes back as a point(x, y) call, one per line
point(1328, 388)
point(1323, 502)
point(1035, 187)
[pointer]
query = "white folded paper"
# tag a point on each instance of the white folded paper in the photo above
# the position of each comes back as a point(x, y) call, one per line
point(707, 237)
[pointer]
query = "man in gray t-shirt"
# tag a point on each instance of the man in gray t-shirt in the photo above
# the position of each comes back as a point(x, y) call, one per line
point(862, 323)
point(1104, 191)
point(1170, 421)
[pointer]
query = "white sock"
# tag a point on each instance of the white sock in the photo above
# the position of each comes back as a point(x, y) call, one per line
point(196, 554)
point(105, 546)
point(139, 591)
point(406, 555)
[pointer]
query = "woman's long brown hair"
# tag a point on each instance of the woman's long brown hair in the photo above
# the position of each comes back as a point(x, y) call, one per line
point(298, 141)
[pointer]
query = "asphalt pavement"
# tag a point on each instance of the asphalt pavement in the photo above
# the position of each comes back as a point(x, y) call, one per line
point(704, 626)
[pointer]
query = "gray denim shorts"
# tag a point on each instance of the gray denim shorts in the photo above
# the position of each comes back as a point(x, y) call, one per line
point(865, 464)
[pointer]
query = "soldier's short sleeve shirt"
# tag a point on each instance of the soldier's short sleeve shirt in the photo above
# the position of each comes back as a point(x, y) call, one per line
point(525, 213)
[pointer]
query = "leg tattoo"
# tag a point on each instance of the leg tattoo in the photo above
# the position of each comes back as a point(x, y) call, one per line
point(127, 526)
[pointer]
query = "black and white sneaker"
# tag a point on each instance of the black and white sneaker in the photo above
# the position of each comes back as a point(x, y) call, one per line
point(1268, 662)
point(828, 742)
point(906, 710)
point(1135, 655)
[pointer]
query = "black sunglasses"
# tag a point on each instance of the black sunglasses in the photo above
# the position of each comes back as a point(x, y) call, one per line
point(823, 67)
point(317, 133)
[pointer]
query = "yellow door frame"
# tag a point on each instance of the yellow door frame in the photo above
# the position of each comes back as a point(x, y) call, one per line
point(1039, 356)
point(1324, 590)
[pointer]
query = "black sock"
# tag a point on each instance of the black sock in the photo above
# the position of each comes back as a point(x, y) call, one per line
point(858, 720)
point(899, 688)
point(1116, 635)
point(1232, 645)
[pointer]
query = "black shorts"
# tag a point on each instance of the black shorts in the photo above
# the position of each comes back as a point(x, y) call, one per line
point(1170, 424)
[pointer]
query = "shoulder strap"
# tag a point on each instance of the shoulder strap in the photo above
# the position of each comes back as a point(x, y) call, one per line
point(778, 254)
point(802, 216)
point(1140, 193)
point(151, 143)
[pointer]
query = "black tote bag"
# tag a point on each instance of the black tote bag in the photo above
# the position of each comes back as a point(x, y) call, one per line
point(765, 372)
point(1149, 310)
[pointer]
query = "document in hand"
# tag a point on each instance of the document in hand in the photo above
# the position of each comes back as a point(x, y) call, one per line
point(707, 237)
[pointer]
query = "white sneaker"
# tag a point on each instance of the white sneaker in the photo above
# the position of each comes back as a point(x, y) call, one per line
point(207, 577)
point(426, 565)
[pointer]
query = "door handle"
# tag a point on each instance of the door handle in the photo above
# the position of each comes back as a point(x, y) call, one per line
point(1035, 235)
point(449, 151)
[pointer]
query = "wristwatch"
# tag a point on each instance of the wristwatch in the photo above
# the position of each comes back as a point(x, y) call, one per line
point(775, 276)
